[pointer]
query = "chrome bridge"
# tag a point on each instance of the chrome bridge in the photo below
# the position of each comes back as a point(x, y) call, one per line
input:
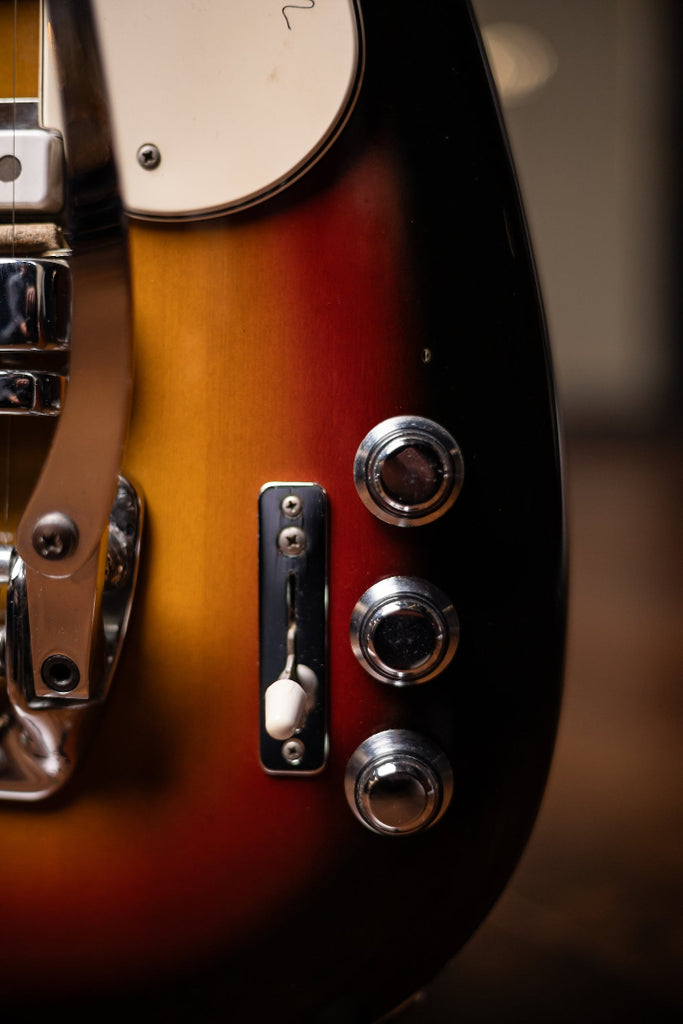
point(35, 278)
point(35, 328)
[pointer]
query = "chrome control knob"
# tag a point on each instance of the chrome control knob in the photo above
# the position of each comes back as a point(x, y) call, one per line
point(398, 782)
point(408, 470)
point(404, 630)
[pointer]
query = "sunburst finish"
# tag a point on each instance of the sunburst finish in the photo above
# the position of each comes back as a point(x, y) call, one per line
point(395, 278)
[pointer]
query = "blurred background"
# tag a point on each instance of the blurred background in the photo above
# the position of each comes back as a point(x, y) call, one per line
point(590, 927)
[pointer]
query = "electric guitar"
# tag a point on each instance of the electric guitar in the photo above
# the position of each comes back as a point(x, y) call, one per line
point(275, 750)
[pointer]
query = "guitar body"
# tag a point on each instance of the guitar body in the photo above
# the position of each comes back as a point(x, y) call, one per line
point(394, 278)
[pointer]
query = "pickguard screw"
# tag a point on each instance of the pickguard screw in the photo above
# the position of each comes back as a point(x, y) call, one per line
point(149, 156)
point(293, 752)
point(291, 506)
point(291, 541)
point(55, 536)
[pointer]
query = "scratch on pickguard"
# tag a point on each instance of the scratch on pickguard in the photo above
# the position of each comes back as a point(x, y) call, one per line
point(296, 7)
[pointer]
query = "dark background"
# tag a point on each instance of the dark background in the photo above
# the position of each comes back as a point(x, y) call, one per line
point(590, 928)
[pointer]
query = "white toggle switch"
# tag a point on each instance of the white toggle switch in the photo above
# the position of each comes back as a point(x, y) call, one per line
point(285, 708)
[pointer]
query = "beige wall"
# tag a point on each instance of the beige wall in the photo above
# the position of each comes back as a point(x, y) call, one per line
point(593, 154)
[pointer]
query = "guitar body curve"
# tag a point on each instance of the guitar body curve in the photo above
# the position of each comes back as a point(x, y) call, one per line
point(393, 279)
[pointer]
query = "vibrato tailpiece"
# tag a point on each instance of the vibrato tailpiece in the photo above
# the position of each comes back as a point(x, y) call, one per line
point(70, 566)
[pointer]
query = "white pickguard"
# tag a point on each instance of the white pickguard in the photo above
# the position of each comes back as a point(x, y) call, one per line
point(239, 96)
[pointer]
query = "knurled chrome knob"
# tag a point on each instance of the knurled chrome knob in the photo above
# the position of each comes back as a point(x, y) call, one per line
point(408, 470)
point(404, 630)
point(398, 782)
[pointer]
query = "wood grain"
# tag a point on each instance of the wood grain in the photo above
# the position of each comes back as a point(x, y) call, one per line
point(27, 50)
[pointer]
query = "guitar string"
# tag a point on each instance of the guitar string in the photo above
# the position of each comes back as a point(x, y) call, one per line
point(14, 127)
point(7, 424)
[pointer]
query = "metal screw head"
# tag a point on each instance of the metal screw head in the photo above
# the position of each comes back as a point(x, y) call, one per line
point(149, 156)
point(291, 506)
point(291, 541)
point(55, 536)
point(293, 752)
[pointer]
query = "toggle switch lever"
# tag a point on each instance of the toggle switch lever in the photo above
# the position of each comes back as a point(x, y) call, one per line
point(285, 708)
point(286, 701)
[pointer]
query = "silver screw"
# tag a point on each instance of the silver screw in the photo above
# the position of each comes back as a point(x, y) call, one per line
point(55, 536)
point(149, 156)
point(293, 752)
point(291, 541)
point(291, 506)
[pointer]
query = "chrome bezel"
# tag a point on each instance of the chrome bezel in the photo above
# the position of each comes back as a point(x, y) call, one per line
point(394, 594)
point(408, 752)
point(382, 442)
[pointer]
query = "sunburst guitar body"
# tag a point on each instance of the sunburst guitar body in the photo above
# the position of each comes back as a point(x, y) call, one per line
point(334, 709)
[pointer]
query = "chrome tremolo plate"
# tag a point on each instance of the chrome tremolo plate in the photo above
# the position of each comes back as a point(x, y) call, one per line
point(41, 726)
point(293, 627)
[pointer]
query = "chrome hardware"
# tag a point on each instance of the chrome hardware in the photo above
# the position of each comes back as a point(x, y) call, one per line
point(291, 541)
point(35, 323)
point(293, 614)
point(39, 733)
point(398, 783)
point(55, 536)
point(23, 392)
point(116, 585)
point(35, 307)
point(63, 595)
point(404, 630)
point(72, 571)
point(33, 180)
point(408, 471)
point(149, 156)
point(291, 506)
point(293, 752)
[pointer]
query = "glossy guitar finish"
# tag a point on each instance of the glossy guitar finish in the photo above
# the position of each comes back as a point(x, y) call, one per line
point(393, 279)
